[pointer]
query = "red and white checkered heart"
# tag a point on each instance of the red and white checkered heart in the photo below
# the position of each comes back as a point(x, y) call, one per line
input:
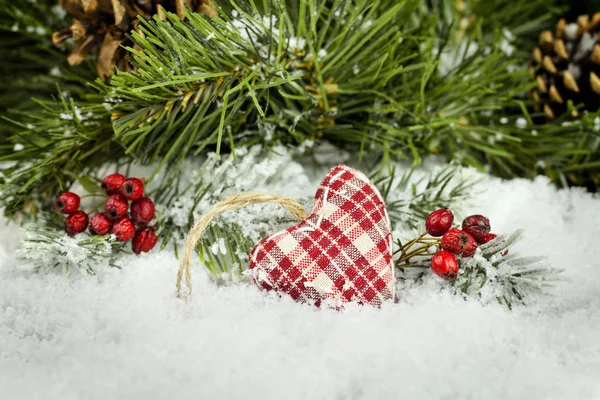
point(341, 253)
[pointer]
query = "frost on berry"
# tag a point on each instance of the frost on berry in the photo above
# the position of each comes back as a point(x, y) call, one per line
point(144, 240)
point(67, 203)
point(112, 184)
point(116, 206)
point(123, 229)
point(445, 265)
point(132, 189)
point(477, 226)
point(100, 224)
point(76, 223)
point(439, 221)
point(459, 242)
point(142, 211)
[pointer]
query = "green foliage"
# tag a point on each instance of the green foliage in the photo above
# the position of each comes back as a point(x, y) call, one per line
point(565, 150)
point(374, 76)
point(524, 20)
point(55, 147)
point(31, 66)
point(410, 200)
point(396, 78)
point(253, 79)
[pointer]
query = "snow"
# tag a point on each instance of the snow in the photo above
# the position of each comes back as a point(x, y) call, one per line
point(452, 56)
point(574, 70)
point(521, 123)
point(506, 43)
point(586, 45)
point(124, 334)
point(571, 31)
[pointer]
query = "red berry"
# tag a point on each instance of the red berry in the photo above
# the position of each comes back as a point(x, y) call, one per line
point(112, 184)
point(142, 210)
point(116, 206)
point(124, 229)
point(445, 265)
point(488, 237)
point(76, 223)
point(67, 203)
point(459, 242)
point(439, 221)
point(144, 240)
point(477, 226)
point(132, 189)
point(100, 224)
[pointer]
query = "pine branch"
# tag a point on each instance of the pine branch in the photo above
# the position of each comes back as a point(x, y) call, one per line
point(224, 251)
point(410, 199)
point(255, 79)
point(47, 247)
point(492, 274)
point(55, 147)
point(523, 19)
point(31, 66)
point(375, 77)
point(368, 78)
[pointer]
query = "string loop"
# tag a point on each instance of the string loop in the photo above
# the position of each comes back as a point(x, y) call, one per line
point(235, 201)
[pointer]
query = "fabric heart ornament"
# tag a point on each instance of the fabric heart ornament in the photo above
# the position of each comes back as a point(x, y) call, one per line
point(342, 252)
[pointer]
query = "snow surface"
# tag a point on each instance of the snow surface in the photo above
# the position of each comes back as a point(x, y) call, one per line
point(128, 337)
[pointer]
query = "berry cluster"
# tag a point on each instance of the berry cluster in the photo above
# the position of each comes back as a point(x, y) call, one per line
point(115, 219)
point(464, 242)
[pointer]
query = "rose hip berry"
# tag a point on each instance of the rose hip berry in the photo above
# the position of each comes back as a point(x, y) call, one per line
point(100, 224)
point(488, 237)
point(67, 203)
point(116, 206)
point(142, 211)
point(124, 229)
point(459, 242)
point(439, 221)
point(112, 184)
point(132, 189)
point(76, 223)
point(144, 240)
point(445, 265)
point(477, 226)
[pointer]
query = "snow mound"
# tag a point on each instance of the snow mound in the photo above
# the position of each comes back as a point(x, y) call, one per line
point(124, 335)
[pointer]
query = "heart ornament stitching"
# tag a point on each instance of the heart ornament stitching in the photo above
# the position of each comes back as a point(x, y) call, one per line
point(342, 252)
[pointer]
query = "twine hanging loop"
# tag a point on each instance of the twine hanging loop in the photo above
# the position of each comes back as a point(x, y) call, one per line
point(235, 201)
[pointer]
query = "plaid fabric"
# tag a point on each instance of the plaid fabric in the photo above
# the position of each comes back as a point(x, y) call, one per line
point(342, 252)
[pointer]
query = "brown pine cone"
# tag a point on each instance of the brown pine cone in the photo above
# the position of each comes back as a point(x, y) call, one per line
point(100, 27)
point(566, 66)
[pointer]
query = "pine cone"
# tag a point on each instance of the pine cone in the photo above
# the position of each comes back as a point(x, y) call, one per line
point(566, 66)
point(106, 23)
